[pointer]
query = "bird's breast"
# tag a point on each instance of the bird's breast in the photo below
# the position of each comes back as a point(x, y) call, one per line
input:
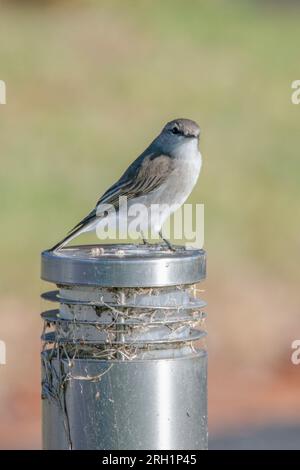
point(183, 178)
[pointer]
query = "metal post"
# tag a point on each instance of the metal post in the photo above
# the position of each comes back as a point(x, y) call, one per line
point(124, 361)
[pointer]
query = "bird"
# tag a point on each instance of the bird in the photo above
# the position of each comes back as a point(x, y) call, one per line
point(164, 174)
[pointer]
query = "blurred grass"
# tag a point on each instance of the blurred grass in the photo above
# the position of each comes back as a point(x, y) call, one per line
point(89, 85)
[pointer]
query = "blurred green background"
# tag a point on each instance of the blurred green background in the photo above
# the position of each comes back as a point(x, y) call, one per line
point(89, 84)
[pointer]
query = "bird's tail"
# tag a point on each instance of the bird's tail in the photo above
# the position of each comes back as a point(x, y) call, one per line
point(83, 226)
point(67, 239)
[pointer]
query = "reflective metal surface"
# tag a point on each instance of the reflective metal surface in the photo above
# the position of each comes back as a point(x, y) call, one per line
point(124, 364)
point(148, 405)
point(123, 266)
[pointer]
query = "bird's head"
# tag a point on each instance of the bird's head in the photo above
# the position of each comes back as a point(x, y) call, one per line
point(182, 128)
point(179, 133)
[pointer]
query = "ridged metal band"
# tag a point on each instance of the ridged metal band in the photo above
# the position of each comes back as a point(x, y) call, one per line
point(123, 265)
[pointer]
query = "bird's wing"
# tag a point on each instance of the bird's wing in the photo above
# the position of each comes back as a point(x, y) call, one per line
point(144, 175)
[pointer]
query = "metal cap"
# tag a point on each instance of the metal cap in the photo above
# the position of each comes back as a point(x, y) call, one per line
point(123, 265)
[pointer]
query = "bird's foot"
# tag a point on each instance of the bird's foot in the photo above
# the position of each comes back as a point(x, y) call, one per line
point(169, 244)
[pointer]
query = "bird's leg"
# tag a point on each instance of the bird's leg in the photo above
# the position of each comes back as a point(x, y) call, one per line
point(169, 245)
point(145, 241)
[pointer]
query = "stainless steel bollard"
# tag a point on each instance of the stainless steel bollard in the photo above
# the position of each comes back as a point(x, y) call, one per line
point(124, 364)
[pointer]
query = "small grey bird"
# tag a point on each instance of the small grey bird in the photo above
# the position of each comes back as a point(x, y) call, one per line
point(165, 174)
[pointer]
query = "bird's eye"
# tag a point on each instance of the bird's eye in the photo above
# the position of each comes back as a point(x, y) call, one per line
point(175, 130)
